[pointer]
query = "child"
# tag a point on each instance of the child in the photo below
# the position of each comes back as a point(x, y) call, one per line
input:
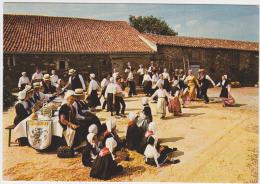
point(158, 158)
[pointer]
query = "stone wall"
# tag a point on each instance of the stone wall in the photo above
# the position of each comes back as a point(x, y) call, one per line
point(240, 66)
point(100, 64)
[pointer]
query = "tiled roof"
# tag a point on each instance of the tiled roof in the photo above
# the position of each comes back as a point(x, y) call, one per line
point(44, 34)
point(202, 42)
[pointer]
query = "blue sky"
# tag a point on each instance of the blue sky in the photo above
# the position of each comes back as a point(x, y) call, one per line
point(236, 22)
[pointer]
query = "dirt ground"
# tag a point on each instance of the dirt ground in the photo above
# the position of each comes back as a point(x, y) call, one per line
point(216, 145)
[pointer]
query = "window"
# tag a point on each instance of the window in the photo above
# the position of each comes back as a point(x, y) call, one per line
point(62, 64)
point(11, 61)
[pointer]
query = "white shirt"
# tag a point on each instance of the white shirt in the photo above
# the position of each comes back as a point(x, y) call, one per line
point(54, 79)
point(155, 78)
point(151, 152)
point(104, 83)
point(161, 93)
point(146, 78)
point(110, 89)
point(140, 71)
point(128, 69)
point(37, 76)
point(23, 80)
point(166, 75)
point(159, 82)
point(93, 85)
point(150, 69)
point(114, 75)
point(81, 80)
point(208, 78)
point(130, 76)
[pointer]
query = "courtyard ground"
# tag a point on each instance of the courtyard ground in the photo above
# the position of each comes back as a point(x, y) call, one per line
point(216, 145)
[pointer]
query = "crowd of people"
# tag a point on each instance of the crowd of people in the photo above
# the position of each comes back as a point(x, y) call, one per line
point(104, 149)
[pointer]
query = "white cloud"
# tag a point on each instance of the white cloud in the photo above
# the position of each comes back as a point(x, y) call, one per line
point(192, 22)
point(177, 26)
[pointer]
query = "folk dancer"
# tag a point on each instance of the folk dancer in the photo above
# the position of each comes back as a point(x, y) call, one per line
point(141, 72)
point(131, 83)
point(204, 84)
point(92, 93)
point(192, 84)
point(104, 84)
point(109, 95)
point(161, 103)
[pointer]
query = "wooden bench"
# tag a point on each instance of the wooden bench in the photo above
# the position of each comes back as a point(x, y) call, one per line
point(10, 128)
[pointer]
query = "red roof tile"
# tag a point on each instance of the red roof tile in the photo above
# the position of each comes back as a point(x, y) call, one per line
point(202, 42)
point(44, 34)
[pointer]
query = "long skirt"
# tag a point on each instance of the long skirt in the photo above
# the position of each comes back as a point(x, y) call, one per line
point(161, 107)
point(224, 92)
point(192, 92)
point(185, 97)
point(148, 87)
point(175, 106)
point(93, 99)
point(166, 85)
point(228, 101)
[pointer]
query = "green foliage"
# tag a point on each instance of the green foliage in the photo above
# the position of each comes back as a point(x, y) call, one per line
point(8, 98)
point(151, 24)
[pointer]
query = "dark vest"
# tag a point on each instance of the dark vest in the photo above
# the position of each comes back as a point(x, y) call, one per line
point(204, 82)
point(48, 89)
point(75, 82)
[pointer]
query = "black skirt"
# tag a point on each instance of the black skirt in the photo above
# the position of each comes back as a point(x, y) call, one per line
point(224, 92)
point(147, 87)
point(93, 99)
point(104, 167)
point(166, 85)
point(110, 102)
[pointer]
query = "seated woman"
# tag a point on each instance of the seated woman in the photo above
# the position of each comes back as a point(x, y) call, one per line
point(67, 118)
point(111, 132)
point(82, 109)
point(157, 157)
point(91, 150)
point(22, 110)
point(48, 88)
point(106, 165)
point(134, 133)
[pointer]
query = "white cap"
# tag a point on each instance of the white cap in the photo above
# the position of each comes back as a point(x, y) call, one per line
point(132, 116)
point(145, 100)
point(92, 75)
point(93, 129)
point(23, 73)
point(111, 124)
point(46, 77)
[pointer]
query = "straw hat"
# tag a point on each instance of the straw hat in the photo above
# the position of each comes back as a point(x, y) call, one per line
point(68, 94)
point(79, 92)
point(72, 71)
point(28, 89)
point(36, 85)
point(46, 77)
point(21, 95)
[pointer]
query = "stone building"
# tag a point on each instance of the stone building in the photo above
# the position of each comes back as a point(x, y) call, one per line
point(238, 59)
point(62, 43)
point(98, 46)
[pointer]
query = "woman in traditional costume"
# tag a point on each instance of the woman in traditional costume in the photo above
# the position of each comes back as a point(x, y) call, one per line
point(91, 150)
point(109, 95)
point(92, 91)
point(192, 83)
point(133, 133)
point(161, 103)
point(147, 83)
point(67, 118)
point(106, 164)
point(225, 95)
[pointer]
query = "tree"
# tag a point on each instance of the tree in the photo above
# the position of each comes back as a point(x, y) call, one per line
point(151, 24)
